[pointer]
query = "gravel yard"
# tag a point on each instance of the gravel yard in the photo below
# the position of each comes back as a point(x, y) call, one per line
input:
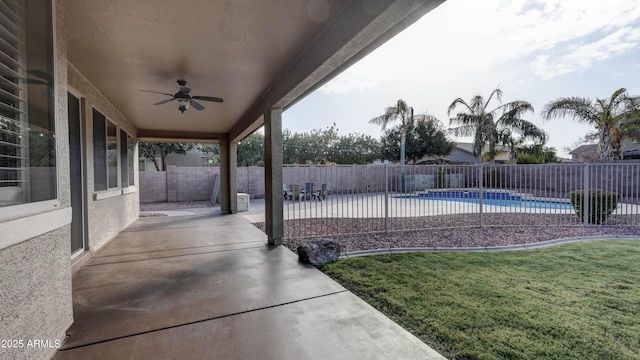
point(503, 229)
point(432, 231)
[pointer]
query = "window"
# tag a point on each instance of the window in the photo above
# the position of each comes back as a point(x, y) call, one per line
point(99, 151)
point(27, 103)
point(112, 155)
point(126, 160)
point(130, 149)
point(105, 153)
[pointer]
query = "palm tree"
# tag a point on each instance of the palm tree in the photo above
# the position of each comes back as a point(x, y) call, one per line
point(614, 118)
point(402, 112)
point(515, 143)
point(484, 125)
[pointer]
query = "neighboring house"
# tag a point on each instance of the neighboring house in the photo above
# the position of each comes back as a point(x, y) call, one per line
point(463, 154)
point(589, 152)
point(71, 117)
point(585, 153)
point(631, 151)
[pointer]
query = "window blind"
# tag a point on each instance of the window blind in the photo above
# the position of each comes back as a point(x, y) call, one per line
point(14, 146)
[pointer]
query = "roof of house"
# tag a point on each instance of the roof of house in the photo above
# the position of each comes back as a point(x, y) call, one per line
point(631, 154)
point(584, 148)
point(503, 153)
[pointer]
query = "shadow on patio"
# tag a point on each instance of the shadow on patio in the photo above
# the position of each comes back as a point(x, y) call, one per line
point(207, 286)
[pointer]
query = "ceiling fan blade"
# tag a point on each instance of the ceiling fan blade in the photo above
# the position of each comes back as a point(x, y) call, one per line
point(208, 98)
point(164, 101)
point(156, 92)
point(196, 105)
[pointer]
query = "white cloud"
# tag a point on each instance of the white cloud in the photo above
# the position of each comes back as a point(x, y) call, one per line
point(463, 37)
point(578, 57)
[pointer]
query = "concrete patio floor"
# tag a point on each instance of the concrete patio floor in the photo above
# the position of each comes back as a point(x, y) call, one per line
point(207, 286)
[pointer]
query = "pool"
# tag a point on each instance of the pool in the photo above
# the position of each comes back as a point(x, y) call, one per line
point(495, 198)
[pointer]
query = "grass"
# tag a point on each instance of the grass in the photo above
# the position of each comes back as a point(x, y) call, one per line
point(575, 301)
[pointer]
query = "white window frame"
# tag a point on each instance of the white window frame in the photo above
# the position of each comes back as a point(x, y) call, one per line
point(21, 222)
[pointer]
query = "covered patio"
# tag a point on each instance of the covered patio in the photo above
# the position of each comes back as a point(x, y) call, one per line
point(256, 58)
point(83, 83)
point(165, 288)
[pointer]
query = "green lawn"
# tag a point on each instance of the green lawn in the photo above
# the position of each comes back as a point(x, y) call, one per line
point(575, 301)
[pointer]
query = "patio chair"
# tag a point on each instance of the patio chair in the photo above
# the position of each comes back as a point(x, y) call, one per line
point(320, 194)
point(294, 192)
point(308, 191)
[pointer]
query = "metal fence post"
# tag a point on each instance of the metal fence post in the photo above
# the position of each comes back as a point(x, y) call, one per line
point(386, 198)
point(480, 190)
point(585, 195)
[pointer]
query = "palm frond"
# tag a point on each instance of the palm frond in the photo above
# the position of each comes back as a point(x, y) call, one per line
point(463, 130)
point(390, 114)
point(618, 98)
point(477, 104)
point(455, 104)
point(497, 93)
point(580, 109)
point(464, 119)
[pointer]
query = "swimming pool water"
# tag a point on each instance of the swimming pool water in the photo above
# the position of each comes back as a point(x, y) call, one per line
point(495, 198)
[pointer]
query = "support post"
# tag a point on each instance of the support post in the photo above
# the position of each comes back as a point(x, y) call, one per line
point(585, 195)
point(273, 159)
point(480, 191)
point(228, 176)
point(386, 198)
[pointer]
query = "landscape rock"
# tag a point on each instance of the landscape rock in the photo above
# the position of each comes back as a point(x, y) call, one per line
point(319, 252)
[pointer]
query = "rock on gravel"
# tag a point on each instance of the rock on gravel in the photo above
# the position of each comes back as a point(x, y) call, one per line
point(319, 252)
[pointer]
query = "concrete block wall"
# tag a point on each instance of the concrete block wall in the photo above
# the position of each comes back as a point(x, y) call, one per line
point(192, 184)
point(153, 186)
point(250, 180)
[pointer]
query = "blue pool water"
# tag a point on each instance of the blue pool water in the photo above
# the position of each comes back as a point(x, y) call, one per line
point(492, 198)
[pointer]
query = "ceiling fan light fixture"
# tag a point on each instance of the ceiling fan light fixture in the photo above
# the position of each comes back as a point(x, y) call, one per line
point(183, 104)
point(183, 98)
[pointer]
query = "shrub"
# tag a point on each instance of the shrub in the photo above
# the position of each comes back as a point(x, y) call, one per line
point(601, 204)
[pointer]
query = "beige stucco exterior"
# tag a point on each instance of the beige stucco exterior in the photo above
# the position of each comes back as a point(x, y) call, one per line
point(36, 299)
point(106, 217)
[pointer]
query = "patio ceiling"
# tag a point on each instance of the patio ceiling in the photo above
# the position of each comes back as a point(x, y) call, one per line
point(255, 54)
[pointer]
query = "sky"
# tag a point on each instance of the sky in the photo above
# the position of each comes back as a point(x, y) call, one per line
point(534, 50)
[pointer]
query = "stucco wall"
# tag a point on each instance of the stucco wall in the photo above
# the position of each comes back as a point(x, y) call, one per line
point(109, 216)
point(35, 301)
point(35, 275)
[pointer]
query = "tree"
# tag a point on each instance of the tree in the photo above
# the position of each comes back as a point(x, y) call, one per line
point(537, 154)
point(355, 149)
point(515, 141)
point(212, 151)
point(251, 150)
point(425, 138)
point(400, 112)
point(485, 126)
point(614, 118)
point(309, 148)
point(155, 150)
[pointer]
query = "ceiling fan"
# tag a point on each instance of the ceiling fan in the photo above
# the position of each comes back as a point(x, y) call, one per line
point(184, 99)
